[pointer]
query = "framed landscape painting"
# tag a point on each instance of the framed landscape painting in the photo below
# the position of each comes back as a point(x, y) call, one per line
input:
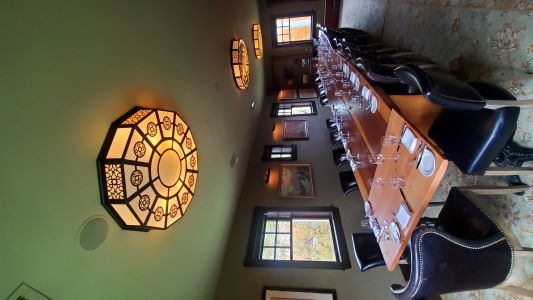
point(272, 293)
point(295, 130)
point(296, 181)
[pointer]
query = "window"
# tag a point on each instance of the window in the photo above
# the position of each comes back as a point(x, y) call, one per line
point(297, 237)
point(293, 109)
point(295, 29)
point(279, 152)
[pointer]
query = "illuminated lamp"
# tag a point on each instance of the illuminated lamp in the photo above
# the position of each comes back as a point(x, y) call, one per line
point(258, 41)
point(239, 64)
point(148, 169)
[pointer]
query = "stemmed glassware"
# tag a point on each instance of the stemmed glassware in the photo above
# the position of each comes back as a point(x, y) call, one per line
point(389, 140)
point(391, 182)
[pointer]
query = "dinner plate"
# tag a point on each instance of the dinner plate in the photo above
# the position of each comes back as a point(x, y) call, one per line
point(374, 104)
point(395, 232)
point(427, 163)
point(364, 92)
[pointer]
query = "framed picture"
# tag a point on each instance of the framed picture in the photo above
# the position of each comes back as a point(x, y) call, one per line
point(272, 293)
point(307, 93)
point(287, 95)
point(295, 130)
point(24, 291)
point(296, 181)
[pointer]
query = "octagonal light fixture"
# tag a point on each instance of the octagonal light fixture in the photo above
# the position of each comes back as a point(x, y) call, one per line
point(239, 64)
point(258, 41)
point(148, 169)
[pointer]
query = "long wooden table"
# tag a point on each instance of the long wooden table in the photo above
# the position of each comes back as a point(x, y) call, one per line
point(367, 128)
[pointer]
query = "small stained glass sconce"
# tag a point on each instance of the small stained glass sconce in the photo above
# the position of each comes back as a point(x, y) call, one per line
point(258, 41)
point(148, 169)
point(239, 64)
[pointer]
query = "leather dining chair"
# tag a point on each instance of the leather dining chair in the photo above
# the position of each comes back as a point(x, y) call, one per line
point(384, 76)
point(465, 250)
point(348, 182)
point(367, 252)
point(331, 125)
point(339, 157)
point(449, 92)
point(384, 73)
point(335, 138)
point(470, 135)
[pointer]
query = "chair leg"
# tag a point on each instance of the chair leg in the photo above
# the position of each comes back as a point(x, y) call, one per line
point(513, 155)
point(496, 190)
point(507, 171)
point(495, 104)
point(517, 290)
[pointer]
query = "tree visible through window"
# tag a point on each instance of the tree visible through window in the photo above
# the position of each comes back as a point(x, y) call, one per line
point(293, 29)
point(293, 109)
point(297, 238)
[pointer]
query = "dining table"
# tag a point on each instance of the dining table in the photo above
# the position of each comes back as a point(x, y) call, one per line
point(397, 166)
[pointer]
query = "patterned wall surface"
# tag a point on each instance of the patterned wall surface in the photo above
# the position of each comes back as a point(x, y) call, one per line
point(490, 40)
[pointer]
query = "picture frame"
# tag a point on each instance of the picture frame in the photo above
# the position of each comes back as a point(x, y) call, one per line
point(24, 291)
point(275, 293)
point(296, 181)
point(287, 95)
point(307, 93)
point(294, 130)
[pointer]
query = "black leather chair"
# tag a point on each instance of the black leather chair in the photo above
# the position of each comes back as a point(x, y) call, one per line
point(324, 101)
point(367, 251)
point(348, 182)
point(339, 157)
point(470, 135)
point(473, 139)
point(465, 250)
point(331, 125)
point(335, 137)
point(449, 92)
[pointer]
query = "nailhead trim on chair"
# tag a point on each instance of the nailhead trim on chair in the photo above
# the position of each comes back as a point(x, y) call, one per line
point(501, 231)
point(455, 242)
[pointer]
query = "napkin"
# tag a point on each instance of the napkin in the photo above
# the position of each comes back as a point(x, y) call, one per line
point(403, 214)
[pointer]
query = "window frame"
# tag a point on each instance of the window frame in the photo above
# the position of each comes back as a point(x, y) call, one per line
point(273, 28)
point(275, 109)
point(267, 153)
point(253, 252)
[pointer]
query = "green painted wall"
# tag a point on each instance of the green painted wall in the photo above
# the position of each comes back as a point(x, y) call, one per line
point(67, 70)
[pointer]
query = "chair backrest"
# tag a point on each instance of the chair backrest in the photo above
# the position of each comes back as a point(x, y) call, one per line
point(376, 72)
point(367, 251)
point(473, 139)
point(441, 89)
point(476, 256)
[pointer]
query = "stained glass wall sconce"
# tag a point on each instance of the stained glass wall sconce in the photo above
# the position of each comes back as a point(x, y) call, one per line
point(148, 169)
point(239, 64)
point(258, 41)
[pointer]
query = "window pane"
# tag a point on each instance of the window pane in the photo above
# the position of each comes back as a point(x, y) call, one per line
point(301, 110)
point(269, 239)
point(270, 226)
point(312, 240)
point(279, 22)
point(268, 253)
point(300, 28)
point(284, 226)
point(283, 253)
point(286, 22)
point(283, 240)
